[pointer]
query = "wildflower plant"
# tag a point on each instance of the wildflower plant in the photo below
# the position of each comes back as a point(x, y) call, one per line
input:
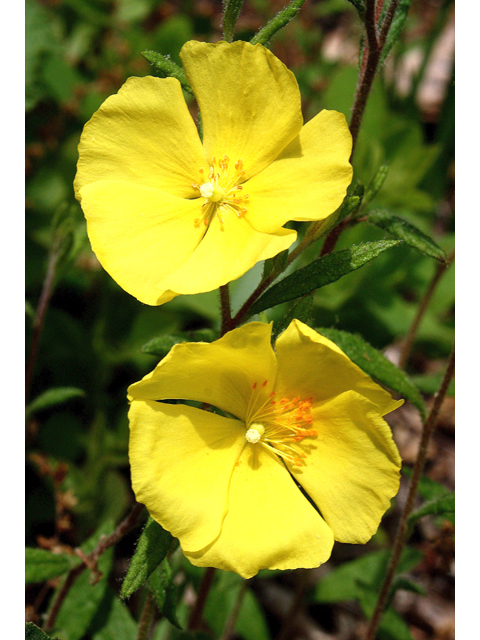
point(262, 438)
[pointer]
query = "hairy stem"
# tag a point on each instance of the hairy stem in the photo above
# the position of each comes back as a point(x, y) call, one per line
point(146, 617)
point(401, 535)
point(230, 626)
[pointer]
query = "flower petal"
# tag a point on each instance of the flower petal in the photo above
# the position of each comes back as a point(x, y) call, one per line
point(249, 101)
point(140, 234)
point(144, 134)
point(308, 180)
point(226, 252)
point(352, 469)
point(221, 373)
point(269, 523)
point(181, 461)
point(309, 365)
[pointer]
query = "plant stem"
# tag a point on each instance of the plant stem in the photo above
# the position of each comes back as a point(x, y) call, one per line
point(226, 309)
point(46, 294)
point(105, 543)
point(196, 614)
point(146, 617)
point(410, 337)
point(401, 535)
point(230, 626)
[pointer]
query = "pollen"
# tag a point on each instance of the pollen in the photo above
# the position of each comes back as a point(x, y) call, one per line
point(222, 191)
point(280, 425)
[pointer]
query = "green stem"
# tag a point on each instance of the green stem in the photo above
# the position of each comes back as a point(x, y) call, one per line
point(402, 531)
point(231, 12)
point(276, 23)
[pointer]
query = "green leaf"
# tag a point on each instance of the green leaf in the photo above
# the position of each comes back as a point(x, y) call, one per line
point(32, 632)
point(352, 579)
point(84, 599)
point(375, 185)
point(41, 565)
point(406, 584)
point(280, 20)
point(430, 383)
point(152, 548)
point(375, 364)
point(230, 16)
point(359, 6)
point(161, 346)
point(427, 488)
point(53, 397)
point(437, 506)
point(301, 310)
point(165, 592)
point(114, 621)
point(392, 626)
point(321, 272)
point(396, 27)
point(408, 233)
point(168, 67)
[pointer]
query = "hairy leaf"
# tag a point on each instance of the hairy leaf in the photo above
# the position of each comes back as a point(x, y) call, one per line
point(152, 548)
point(165, 592)
point(396, 27)
point(168, 67)
point(32, 632)
point(375, 364)
point(53, 397)
point(280, 20)
point(230, 16)
point(437, 506)
point(408, 233)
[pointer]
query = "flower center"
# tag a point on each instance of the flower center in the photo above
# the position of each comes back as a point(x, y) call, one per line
point(280, 425)
point(222, 191)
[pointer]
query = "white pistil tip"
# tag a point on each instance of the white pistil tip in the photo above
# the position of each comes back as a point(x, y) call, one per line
point(255, 432)
point(207, 189)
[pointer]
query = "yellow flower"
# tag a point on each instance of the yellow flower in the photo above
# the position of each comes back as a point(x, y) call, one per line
point(168, 215)
point(228, 487)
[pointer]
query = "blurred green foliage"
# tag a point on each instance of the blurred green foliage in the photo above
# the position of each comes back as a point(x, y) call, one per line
point(78, 52)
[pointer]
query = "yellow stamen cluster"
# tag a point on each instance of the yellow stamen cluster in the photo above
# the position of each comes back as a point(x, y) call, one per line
point(279, 425)
point(222, 191)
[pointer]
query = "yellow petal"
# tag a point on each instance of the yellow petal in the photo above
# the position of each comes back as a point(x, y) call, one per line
point(308, 180)
point(309, 365)
point(269, 523)
point(221, 373)
point(181, 461)
point(144, 134)
point(352, 469)
point(249, 101)
point(226, 252)
point(140, 234)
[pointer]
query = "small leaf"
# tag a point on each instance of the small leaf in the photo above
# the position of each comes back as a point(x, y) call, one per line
point(32, 632)
point(375, 185)
point(408, 233)
point(152, 548)
point(41, 565)
point(406, 584)
point(437, 506)
point(161, 346)
point(113, 620)
point(321, 272)
point(53, 397)
point(280, 20)
point(168, 67)
point(165, 592)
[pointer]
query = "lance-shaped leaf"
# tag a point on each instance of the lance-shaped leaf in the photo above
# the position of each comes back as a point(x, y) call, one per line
point(230, 15)
point(152, 548)
point(396, 27)
point(321, 272)
point(408, 233)
point(280, 20)
point(168, 67)
point(52, 397)
point(41, 565)
point(375, 364)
